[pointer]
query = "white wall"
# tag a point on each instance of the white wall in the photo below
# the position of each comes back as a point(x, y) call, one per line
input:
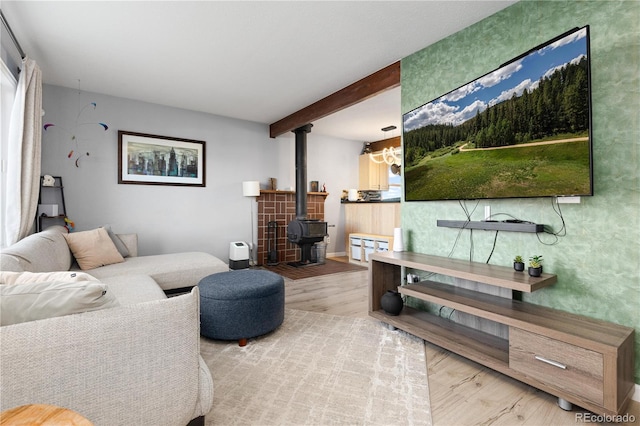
point(330, 161)
point(168, 218)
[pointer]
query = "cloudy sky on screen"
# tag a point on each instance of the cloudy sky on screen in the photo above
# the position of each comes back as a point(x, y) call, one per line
point(464, 103)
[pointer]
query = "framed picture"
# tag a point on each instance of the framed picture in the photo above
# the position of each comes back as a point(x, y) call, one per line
point(160, 160)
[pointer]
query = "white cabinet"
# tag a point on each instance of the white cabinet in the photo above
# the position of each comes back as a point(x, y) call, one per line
point(355, 248)
point(362, 246)
point(373, 176)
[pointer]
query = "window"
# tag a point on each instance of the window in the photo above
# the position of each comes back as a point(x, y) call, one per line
point(7, 96)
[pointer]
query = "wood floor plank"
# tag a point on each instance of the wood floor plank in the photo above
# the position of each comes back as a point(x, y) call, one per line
point(462, 392)
point(338, 294)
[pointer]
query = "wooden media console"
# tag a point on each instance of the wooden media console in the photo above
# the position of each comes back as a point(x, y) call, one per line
point(580, 360)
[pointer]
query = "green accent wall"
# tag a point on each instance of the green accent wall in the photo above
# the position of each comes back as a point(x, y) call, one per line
point(598, 261)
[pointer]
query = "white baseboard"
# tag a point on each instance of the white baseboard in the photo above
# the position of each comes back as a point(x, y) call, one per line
point(338, 254)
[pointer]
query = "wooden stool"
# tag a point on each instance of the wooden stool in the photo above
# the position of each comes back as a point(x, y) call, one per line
point(42, 414)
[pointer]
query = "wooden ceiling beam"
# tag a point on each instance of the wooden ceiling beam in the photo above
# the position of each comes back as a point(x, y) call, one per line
point(374, 84)
point(393, 142)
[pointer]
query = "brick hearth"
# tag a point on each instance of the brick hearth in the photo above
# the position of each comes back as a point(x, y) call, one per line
point(280, 206)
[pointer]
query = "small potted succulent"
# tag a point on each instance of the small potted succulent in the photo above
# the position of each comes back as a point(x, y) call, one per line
point(535, 266)
point(518, 263)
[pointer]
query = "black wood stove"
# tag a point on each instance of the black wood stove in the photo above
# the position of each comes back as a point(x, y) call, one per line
point(303, 231)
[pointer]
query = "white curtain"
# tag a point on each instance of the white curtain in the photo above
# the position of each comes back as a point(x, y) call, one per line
point(23, 155)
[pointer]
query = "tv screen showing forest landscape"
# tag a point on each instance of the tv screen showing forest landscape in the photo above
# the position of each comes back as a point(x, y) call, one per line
point(522, 130)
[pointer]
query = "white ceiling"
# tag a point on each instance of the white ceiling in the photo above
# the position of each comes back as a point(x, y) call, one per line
point(257, 61)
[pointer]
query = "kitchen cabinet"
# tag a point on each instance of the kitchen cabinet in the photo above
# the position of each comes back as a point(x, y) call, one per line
point(370, 218)
point(373, 176)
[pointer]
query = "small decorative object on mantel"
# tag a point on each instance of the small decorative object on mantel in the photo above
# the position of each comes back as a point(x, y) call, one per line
point(314, 186)
point(518, 263)
point(535, 266)
point(392, 302)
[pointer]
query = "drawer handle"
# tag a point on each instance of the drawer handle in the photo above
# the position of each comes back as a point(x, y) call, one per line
point(548, 361)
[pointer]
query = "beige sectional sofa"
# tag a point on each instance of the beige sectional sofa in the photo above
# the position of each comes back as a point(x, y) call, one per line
point(133, 364)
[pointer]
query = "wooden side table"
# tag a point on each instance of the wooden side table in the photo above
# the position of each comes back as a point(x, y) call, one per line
point(42, 414)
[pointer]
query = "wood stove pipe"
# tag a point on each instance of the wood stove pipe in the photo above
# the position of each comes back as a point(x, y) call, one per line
point(301, 170)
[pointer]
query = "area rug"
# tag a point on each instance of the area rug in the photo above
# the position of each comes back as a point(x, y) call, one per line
point(319, 369)
point(329, 267)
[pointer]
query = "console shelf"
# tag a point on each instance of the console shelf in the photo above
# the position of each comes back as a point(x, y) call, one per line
point(475, 345)
point(492, 226)
point(474, 271)
point(581, 360)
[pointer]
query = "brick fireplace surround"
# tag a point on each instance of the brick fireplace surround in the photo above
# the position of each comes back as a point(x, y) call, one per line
point(280, 206)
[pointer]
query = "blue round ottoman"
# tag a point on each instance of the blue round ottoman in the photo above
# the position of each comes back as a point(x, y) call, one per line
point(238, 305)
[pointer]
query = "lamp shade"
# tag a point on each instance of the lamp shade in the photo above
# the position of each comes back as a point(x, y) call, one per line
point(251, 188)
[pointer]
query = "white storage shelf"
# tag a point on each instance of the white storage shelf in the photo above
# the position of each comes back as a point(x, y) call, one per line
point(361, 246)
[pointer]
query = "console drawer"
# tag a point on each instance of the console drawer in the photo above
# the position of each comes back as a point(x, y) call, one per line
point(556, 363)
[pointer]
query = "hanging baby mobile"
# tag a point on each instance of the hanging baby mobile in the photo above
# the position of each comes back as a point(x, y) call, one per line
point(75, 154)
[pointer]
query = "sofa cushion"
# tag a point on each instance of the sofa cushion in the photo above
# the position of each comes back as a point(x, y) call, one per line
point(170, 271)
point(8, 278)
point(40, 300)
point(42, 252)
point(93, 249)
point(120, 246)
point(131, 289)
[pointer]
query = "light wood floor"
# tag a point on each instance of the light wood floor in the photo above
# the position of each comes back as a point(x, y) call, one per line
point(462, 392)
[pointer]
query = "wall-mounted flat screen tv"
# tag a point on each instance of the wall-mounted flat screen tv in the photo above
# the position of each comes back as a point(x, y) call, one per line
point(522, 130)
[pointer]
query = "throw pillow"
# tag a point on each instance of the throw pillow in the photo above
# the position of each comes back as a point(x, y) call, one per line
point(93, 249)
point(35, 301)
point(8, 278)
point(122, 249)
